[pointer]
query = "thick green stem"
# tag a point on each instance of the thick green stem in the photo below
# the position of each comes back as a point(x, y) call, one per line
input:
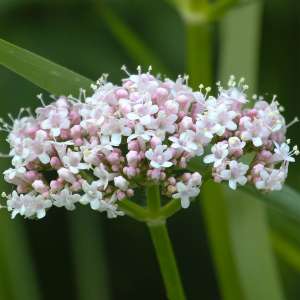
point(167, 262)
point(153, 199)
point(162, 244)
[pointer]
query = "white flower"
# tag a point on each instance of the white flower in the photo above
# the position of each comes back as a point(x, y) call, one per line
point(282, 153)
point(141, 135)
point(66, 199)
point(219, 153)
point(269, 182)
point(92, 195)
point(255, 132)
point(57, 121)
point(163, 124)
point(143, 112)
point(159, 158)
point(185, 192)
point(116, 128)
point(235, 144)
point(110, 207)
point(222, 119)
point(185, 141)
point(72, 161)
point(104, 176)
point(235, 174)
point(15, 203)
point(36, 205)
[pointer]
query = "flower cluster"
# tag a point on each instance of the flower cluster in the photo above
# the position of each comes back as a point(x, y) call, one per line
point(142, 133)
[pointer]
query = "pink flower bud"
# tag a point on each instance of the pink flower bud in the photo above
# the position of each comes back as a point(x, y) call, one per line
point(161, 96)
point(186, 123)
point(252, 113)
point(121, 196)
point(155, 141)
point(133, 145)
point(31, 175)
point(31, 132)
point(76, 131)
point(78, 142)
point(171, 107)
point(42, 133)
point(218, 179)
point(172, 189)
point(162, 176)
point(113, 158)
point(21, 189)
point(182, 100)
point(66, 174)
point(94, 138)
point(115, 168)
point(121, 183)
point(76, 186)
point(129, 193)
point(55, 162)
point(256, 179)
point(243, 120)
point(186, 176)
point(265, 155)
point(181, 115)
point(257, 169)
point(171, 180)
point(197, 178)
point(155, 174)
point(121, 93)
point(39, 186)
point(131, 172)
point(62, 103)
point(125, 108)
point(182, 164)
point(64, 134)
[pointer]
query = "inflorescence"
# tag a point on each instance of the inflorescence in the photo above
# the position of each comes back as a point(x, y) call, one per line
point(142, 133)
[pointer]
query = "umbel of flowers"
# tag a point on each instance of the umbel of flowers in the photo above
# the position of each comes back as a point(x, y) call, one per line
point(142, 133)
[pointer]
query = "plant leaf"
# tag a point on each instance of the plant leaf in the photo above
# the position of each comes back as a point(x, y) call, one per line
point(44, 73)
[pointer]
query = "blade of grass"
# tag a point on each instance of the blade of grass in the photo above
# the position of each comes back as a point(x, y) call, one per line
point(20, 273)
point(248, 223)
point(212, 200)
point(88, 254)
point(130, 41)
point(287, 250)
point(44, 73)
point(249, 234)
point(216, 219)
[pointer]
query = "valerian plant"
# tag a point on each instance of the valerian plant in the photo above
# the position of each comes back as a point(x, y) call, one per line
point(143, 133)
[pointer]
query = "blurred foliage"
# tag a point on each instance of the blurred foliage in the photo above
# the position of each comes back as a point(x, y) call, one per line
point(73, 34)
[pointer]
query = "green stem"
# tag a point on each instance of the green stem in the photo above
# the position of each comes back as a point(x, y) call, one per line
point(167, 262)
point(153, 199)
point(162, 244)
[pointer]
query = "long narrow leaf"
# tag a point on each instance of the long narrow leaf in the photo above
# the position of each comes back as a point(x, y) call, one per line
point(44, 73)
point(216, 219)
point(249, 234)
point(248, 222)
point(287, 250)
